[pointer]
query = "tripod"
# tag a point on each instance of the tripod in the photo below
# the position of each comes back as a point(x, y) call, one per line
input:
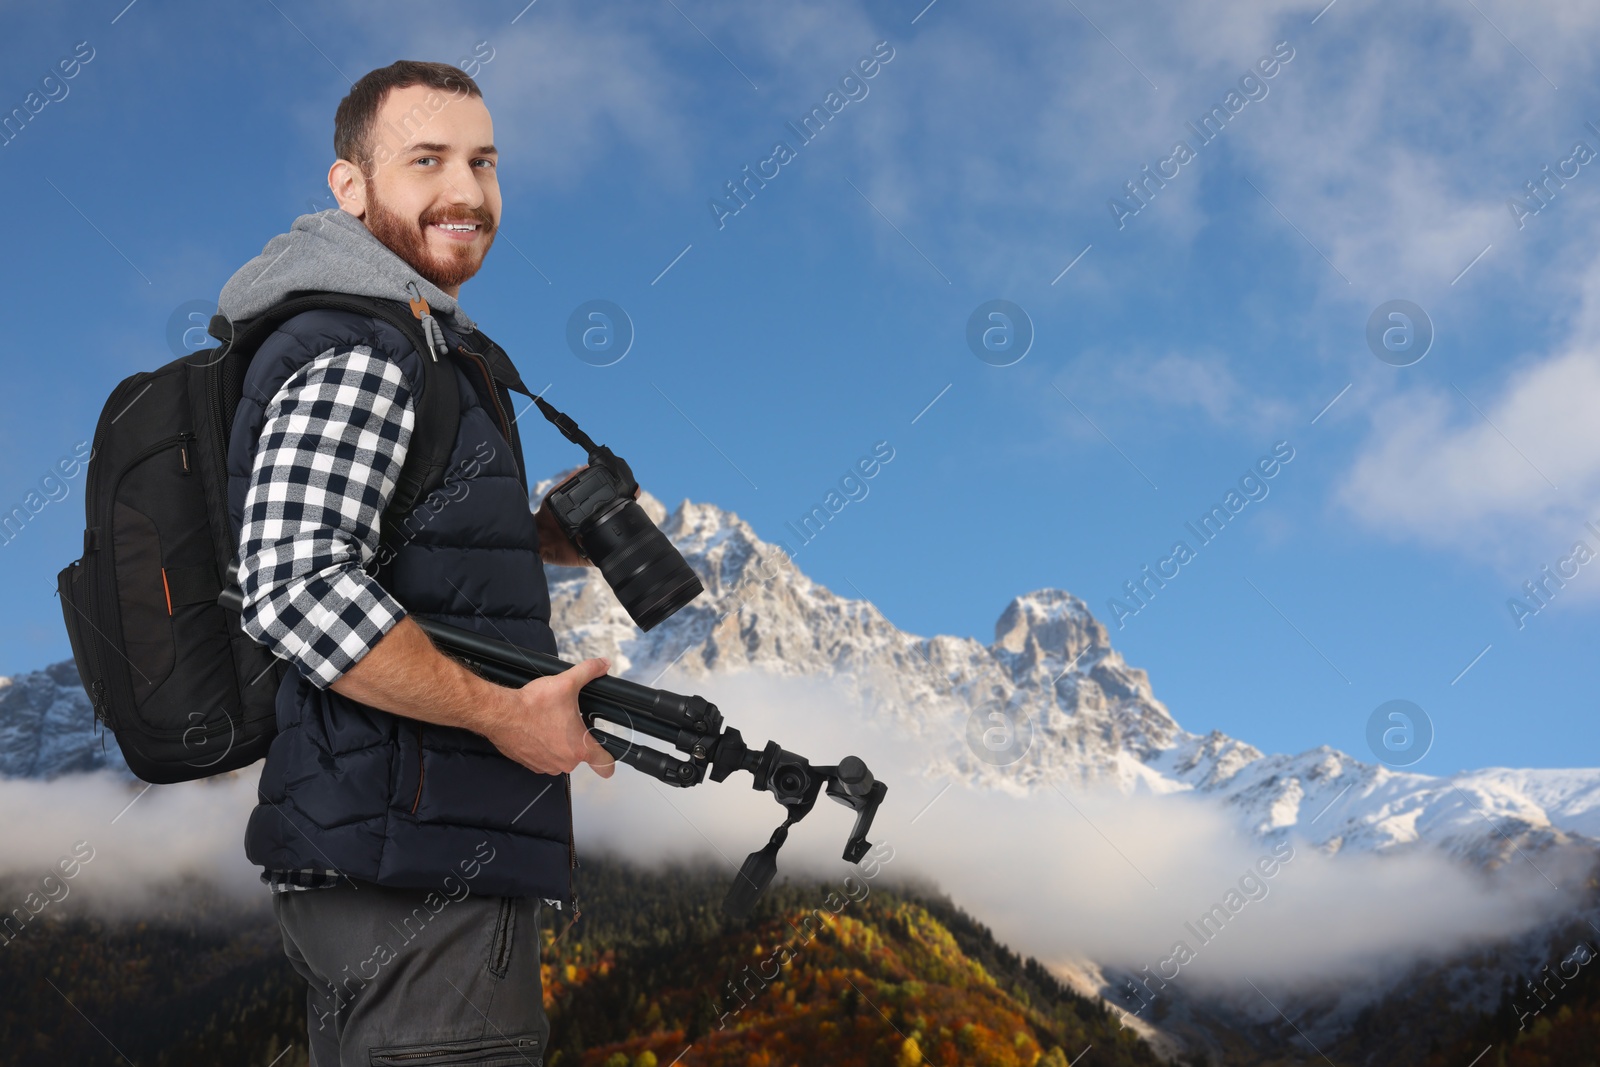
point(693, 726)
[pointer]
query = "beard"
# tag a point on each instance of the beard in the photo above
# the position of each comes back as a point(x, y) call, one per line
point(408, 239)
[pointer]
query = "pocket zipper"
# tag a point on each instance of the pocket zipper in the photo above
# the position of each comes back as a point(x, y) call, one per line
point(420, 768)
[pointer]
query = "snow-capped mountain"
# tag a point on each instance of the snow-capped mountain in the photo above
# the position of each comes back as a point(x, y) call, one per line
point(1076, 713)
point(1053, 675)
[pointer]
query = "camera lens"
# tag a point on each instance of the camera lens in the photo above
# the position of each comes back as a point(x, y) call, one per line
point(647, 574)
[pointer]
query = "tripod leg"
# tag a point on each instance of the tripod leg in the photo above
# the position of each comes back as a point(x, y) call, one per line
point(651, 761)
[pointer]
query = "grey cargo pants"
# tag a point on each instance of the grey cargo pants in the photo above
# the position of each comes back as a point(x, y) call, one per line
point(416, 977)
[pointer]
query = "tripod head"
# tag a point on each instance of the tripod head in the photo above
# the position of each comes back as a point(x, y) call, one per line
point(794, 783)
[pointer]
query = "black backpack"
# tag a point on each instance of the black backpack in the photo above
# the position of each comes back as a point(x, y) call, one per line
point(187, 693)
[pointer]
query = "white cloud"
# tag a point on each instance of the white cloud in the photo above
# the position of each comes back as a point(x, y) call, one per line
point(143, 848)
point(1202, 380)
point(568, 93)
point(1505, 475)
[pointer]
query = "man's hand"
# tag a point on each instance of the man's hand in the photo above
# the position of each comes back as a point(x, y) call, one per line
point(539, 726)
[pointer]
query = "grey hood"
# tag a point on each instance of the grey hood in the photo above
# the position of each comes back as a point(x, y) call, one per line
point(331, 251)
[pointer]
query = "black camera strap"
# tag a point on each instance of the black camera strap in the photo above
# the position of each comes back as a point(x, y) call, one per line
point(564, 423)
point(599, 455)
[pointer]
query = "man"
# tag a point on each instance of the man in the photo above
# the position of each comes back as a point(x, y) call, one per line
point(413, 817)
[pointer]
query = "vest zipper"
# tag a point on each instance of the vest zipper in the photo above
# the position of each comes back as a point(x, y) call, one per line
point(508, 427)
point(494, 393)
point(572, 851)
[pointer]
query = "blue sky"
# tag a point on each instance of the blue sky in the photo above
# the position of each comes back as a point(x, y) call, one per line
point(979, 162)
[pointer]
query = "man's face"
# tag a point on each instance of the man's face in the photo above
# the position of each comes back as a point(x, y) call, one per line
point(431, 168)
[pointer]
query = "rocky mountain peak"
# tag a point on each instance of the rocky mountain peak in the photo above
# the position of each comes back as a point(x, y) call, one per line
point(1048, 627)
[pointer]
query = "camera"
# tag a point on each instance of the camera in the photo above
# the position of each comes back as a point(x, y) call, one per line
point(596, 509)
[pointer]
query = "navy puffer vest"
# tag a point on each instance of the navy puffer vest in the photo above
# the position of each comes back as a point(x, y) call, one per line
point(381, 797)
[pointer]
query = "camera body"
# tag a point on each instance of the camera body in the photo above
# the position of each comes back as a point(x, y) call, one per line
point(591, 495)
point(595, 508)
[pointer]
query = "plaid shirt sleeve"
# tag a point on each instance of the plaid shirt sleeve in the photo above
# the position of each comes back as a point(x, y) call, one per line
point(332, 444)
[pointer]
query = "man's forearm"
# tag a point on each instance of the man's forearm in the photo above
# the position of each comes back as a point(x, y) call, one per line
point(405, 674)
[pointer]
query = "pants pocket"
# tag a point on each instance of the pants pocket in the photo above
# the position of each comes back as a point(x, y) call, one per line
point(511, 1050)
point(505, 929)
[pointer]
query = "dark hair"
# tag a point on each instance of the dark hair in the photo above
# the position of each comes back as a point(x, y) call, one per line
point(355, 120)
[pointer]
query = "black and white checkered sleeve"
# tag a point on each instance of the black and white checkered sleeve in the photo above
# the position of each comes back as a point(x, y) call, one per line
point(332, 444)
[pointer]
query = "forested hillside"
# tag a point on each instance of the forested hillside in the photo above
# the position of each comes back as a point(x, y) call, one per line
point(892, 978)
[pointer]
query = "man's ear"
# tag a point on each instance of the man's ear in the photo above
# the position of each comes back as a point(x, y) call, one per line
point(349, 187)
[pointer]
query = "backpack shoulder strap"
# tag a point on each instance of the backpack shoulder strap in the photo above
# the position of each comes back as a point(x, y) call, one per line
point(438, 407)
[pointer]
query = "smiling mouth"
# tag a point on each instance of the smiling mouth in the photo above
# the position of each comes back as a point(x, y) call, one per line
point(463, 231)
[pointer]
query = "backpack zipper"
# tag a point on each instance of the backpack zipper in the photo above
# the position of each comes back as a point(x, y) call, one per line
point(90, 599)
point(102, 710)
point(218, 420)
point(102, 600)
point(124, 387)
point(187, 439)
point(96, 689)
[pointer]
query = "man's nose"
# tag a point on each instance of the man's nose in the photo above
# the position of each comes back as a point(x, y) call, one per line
point(461, 188)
